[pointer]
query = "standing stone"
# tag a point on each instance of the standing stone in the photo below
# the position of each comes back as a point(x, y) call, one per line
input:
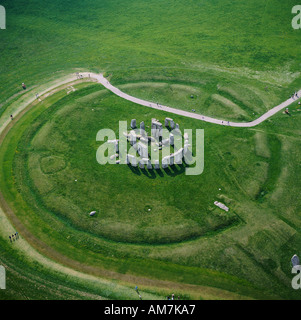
point(156, 128)
point(149, 165)
point(142, 128)
point(157, 164)
point(187, 153)
point(142, 150)
point(177, 130)
point(168, 122)
point(114, 156)
point(221, 205)
point(172, 124)
point(164, 165)
point(186, 138)
point(295, 260)
point(139, 149)
point(159, 128)
point(171, 139)
point(165, 142)
point(151, 139)
point(132, 160)
point(165, 162)
point(141, 164)
point(153, 128)
point(132, 137)
point(178, 156)
point(116, 146)
point(133, 123)
point(144, 140)
point(186, 148)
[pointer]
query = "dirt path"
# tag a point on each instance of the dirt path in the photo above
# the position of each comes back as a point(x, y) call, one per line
point(5, 118)
point(101, 79)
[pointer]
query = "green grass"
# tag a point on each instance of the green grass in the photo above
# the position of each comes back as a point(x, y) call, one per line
point(54, 204)
point(134, 39)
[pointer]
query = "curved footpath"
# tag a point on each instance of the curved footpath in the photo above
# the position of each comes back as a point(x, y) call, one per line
point(101, 79)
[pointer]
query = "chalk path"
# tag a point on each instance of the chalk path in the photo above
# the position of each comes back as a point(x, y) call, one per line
point(101, 79)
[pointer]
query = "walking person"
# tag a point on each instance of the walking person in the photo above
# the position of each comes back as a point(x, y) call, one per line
point(136, 288)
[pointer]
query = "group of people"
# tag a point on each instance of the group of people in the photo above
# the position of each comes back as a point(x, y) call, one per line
point(295, 95)
point(80, 76)
point(172, 297)
point(24, 88)
point(14, 237)
point(168, 297)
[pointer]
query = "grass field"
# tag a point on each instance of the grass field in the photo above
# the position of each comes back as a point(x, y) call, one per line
point(224, 59)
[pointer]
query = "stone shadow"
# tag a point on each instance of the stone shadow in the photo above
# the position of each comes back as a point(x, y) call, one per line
point(173, 171)
point(135, 170)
